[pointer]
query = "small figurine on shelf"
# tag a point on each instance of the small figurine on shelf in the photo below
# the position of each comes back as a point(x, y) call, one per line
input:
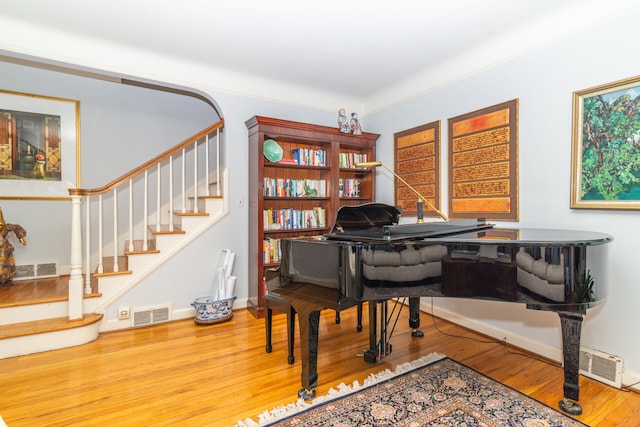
point(7, 262)
point(343, 121)
point(38, 167)
point(355, 124)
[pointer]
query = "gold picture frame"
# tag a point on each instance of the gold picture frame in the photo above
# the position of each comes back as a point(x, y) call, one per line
point(39, 146)
point(483, 163)
point(605, 146)
point(417, 161)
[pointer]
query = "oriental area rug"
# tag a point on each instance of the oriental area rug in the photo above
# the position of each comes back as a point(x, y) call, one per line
point(432, 391)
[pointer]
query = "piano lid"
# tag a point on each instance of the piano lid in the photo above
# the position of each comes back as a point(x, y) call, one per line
point(379, 222)
point(363, 217)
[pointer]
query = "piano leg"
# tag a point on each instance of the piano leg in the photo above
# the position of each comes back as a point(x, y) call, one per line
point(414, 317)
point(571, 324)
point(309, 321)
point(371, 354)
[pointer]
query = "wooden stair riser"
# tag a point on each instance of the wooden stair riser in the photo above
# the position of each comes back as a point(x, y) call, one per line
point(38, 342)
point(142, 261)
point(110, 285)
point(211, 204)
point(33, 312)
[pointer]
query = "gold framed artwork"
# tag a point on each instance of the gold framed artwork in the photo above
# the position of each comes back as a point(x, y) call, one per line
point(417, 161)
point(39, 146)
point(605, 153)
point(483, 163)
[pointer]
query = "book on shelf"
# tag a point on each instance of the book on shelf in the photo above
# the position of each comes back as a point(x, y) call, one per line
point(284, 187)
point(288, 161)
point(309, 157)
point(348, 187)
point(320, 215)
point(348, 160)
point(271, 252)
point(293, 219)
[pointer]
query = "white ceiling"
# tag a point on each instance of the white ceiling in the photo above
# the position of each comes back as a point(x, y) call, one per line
point(374, 53)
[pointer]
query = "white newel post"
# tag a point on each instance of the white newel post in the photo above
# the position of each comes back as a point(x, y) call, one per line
point(75, 279)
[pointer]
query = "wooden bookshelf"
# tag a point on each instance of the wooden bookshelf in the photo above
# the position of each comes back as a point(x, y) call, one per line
point(281, 193)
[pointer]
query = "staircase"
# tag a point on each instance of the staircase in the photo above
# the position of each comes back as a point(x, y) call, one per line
point(189, 186)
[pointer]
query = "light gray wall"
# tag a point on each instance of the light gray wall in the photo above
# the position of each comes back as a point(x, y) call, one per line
point(544, 82)
point(121, 127)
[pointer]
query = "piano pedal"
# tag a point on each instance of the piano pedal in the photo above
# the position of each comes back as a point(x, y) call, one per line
point(417, 333)
point(370, 355)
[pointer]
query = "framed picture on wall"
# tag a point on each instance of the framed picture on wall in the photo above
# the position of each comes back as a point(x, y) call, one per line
point(605, 159)
point(483, 163)
point(417, 162)
point(39, 146)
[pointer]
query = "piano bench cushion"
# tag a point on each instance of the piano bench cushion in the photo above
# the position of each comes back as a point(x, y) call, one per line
point(555, 273)
point(524, 261)
point(540, 268)
point(390, 256)
point(403, 255)
point(552, 273)
point(551, 291)
point(402, 273)
point(433, 253)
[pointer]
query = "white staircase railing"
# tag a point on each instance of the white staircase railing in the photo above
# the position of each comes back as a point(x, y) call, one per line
point(190, 169)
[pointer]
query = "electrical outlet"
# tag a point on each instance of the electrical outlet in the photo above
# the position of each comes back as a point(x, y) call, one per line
point(124, 313)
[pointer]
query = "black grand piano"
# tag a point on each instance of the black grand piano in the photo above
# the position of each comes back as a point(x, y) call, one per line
point(368, 256)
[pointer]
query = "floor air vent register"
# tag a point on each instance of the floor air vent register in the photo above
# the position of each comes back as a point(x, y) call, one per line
point(601, 366)
point(151, 315)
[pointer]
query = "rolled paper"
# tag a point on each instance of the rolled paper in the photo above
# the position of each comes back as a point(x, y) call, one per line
point(224, 257)
point(230, 285)
point(229, 267)
point(221, 284)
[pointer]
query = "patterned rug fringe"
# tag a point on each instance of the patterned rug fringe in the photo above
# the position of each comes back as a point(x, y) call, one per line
point(343, 389)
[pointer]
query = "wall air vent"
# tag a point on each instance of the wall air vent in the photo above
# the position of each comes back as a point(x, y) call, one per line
point(601, 366)
point(36, 271)
point(151, 315)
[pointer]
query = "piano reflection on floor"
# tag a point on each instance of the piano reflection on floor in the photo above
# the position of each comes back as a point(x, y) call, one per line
point(368, 256)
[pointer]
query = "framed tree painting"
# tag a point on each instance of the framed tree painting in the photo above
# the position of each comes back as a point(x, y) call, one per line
point(39, 146)
point(605, 158)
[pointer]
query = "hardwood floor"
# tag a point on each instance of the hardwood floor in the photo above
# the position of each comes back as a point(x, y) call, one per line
point(183, 374)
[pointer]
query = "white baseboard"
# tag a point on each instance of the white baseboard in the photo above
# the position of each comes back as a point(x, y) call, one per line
point(519, 341)
point(180, 314)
